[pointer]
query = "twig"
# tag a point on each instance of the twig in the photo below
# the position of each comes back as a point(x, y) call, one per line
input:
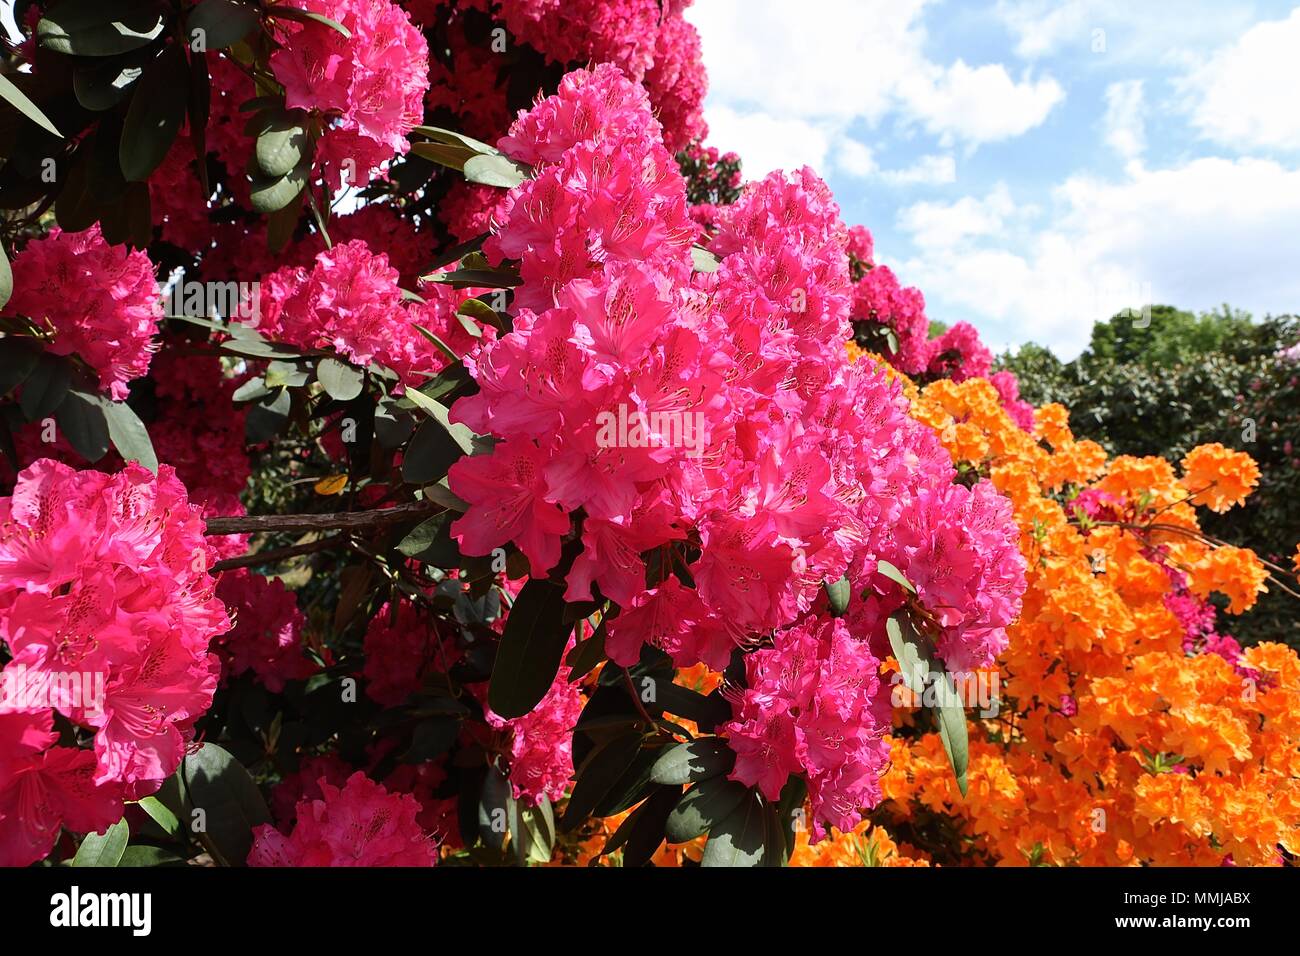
point(273, 555)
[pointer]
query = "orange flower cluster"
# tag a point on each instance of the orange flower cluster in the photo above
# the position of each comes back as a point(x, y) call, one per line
point(1114, 743)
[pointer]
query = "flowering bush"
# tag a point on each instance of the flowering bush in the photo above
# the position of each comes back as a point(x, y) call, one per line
point(545, 507)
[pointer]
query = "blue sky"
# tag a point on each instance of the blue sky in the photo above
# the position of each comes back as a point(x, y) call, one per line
point(1032, 166)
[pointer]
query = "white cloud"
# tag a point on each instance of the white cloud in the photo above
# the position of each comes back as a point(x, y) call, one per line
point(1125, 119)
point(854, 158)
point(938, 226)
point(1210, 231)
point(1246, 95)
point(834, 64)
point(927, 170)
point(767, 142)
point(1042, 27)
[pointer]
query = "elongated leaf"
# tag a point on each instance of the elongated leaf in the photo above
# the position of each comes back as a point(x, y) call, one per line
point(281, 143)
point(341, 381)
point(704, 805)
point(128, 434)
point(700, 759)
point(494, 809)
point(101, 86)
point(103, 849)
point(430, 541)
point(6, 280)
point(148, 856)
point(598, 775)
point(451, 137)
point(838, 595)
point(156, 114)
point(20, 102)
point(918, 665)
point(82, 420)
point(272, 193)
point(18, 359)
point(218, 784)
point(306, 16)
point(441, 415)
point(430, 453)
point(528, 657)
point(46, 387)
point(163, 816)
point(498, 170)
point(702, 260)
point(100, 27)
point(475, 279)
point(738, 839)
point(222, 22)
point(895, 575)
point(267, 417)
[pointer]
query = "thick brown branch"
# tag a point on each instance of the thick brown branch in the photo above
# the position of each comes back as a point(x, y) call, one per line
point(343, 520)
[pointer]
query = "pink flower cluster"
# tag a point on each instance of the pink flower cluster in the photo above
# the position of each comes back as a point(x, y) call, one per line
point(358, 824)
point(104, 598)
point(369, 85)
point(709, 425)
point(959, 354)
point(401, 649)
point(541, 742)
point(267, 634)
point(101, 302)
point(813, 705)
point(349, 300)
point(878, 298)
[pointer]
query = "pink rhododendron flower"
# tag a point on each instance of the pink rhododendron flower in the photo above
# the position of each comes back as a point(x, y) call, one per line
point(370, 84)
point(104, 577)
point(267, 634)
point(812, 705)
point(541, 742)
point(101, 302)
point(359, 824)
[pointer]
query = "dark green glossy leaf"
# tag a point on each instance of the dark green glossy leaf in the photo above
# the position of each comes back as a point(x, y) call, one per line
point(739, 839)
point(18, 99)
point(103, 849)
point(215, 782)
point(128, 434)
point(700, 759)
point(156, 114)
point(342, 382)
point(222, 22)
point(100, 27)
point(837, 594)
point(82, 420)
point(528, 657)
point(598, 774)
point(701, 807)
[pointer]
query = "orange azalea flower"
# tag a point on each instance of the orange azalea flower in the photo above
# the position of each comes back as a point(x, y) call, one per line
point(1218, 477)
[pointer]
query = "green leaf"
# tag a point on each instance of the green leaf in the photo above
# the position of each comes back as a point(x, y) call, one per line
point(586, 654)
point(703, 806)
point(162, 816)
point(266, 419)
point(895, 575)
point(430, 453)
point(103, 849)
point(598, 774)
point(444, 154)
point(252, 390)
point(463, 437)
point(6, 280)
point(452, 138)
point(269, 194)
point(18, 99)
point(480, 310)
point(498, 170)
point(342, 382)
point(46, 387)
point(218, 784)
point(739, 839)
point(528, 656)
point(82, 420)
point(918, 664)
point(156, 114)
point(475, 278)
point(128, 434)
point(223, 22)
point(494, 809)
point(838, 595)
point(146, 856)
point(793, 795)
point(643, 830)
point(101, 86)
point(281, 145)
point(306, 16)
point(281, 374)
point(703, 261)
point(700, 759)
point(431, 542)
point(17, 360)
point(100, 27)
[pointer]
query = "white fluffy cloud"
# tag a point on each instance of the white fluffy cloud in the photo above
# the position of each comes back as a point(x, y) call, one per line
point(1247, 95)
point(816, 68)
point(1124, 122)
point(1196, 235)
